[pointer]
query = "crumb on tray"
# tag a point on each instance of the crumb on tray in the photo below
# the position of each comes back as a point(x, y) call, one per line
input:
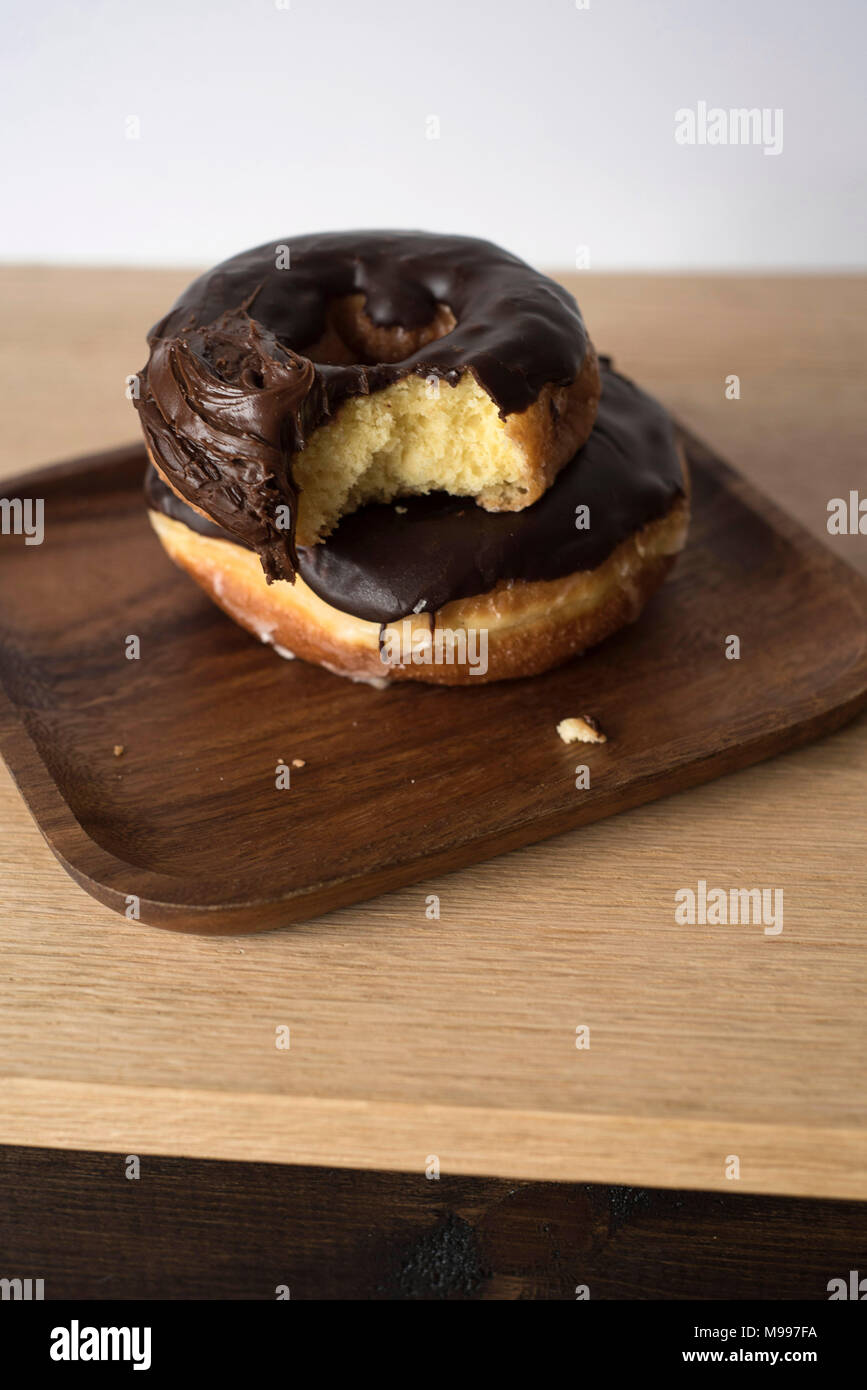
point(583, 728)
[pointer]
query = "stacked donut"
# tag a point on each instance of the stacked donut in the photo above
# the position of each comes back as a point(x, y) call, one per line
point(391, 452)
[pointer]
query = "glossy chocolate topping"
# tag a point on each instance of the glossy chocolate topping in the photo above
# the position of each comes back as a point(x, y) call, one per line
point(240, 373)
point(382, 563)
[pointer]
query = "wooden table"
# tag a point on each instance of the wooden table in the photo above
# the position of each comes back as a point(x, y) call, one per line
point(457, 1038)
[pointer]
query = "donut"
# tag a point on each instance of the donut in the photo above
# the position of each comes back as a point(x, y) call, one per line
point(434, 588)
point(303, 380)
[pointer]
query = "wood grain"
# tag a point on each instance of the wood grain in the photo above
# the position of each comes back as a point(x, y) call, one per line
point(406, 1032)
point(193, 1229)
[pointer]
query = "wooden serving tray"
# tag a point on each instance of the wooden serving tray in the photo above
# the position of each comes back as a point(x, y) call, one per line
point(397, 785)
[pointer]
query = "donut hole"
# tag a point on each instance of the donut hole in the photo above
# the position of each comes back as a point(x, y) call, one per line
point(418, 435)
point(351, 337)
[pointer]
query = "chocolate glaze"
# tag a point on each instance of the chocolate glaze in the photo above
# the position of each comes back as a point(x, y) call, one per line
point(229, 395)
point(381, 564)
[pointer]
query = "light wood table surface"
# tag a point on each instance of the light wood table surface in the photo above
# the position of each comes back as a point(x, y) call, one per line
point(456, 1038)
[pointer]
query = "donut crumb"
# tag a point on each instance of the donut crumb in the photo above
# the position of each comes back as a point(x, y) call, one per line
point(298, 762)
point(118, 750)
point(583, 728)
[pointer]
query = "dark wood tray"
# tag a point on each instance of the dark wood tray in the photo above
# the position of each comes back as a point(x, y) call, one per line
point(397, 784)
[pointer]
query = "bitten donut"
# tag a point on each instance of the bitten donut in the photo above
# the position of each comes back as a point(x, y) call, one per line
point(301, 381)
point(434, 588)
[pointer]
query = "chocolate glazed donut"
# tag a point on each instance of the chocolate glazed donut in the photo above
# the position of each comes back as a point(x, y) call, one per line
point(541, 584)
point(258, 355)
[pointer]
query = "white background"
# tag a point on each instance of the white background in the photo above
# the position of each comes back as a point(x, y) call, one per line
point(557, 127)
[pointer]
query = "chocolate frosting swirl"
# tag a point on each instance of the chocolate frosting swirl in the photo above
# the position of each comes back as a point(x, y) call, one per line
point(233, 387)
point(381, 564)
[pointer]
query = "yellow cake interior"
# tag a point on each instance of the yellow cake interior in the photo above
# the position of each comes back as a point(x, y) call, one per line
point(418, 435)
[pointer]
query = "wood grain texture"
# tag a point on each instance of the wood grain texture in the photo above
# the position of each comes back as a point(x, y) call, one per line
point(408, 1033)
point(195, 1229)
